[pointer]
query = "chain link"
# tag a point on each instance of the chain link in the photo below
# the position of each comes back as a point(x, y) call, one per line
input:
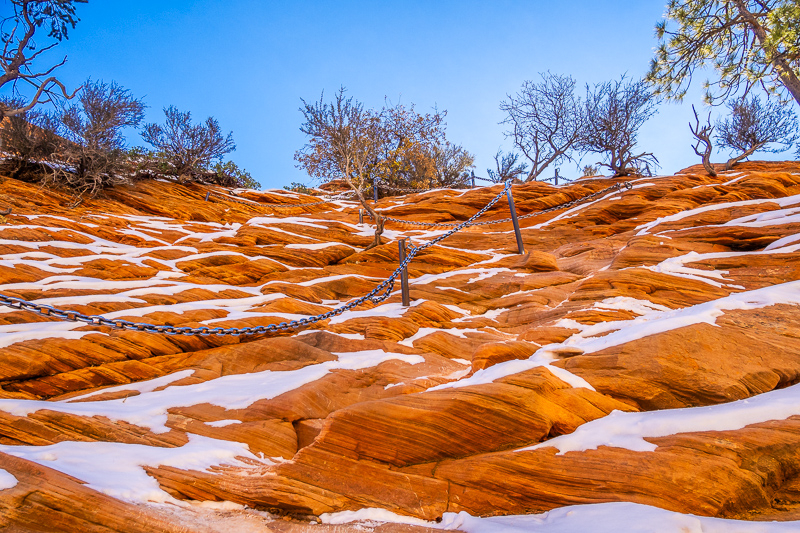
point(376, 295)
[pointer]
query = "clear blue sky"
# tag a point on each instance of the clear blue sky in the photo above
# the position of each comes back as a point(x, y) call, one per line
point(248, 63)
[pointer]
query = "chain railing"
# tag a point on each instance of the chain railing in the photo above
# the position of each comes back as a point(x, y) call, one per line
point(254, 204)
point(386, 187)
point(565, 205)
point(376, 295)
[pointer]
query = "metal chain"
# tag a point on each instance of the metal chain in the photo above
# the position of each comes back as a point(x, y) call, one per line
point(285, 206)
point(383, 185)
point(374, 296)
point(616, 186)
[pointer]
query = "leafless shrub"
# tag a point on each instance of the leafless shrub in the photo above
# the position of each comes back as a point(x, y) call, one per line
point(20, 50)
point(28, 139)
point(189, 148)
point(703, 137)
point(753, 125)
point(506, 167)
point(615, 111)
point(546, 120)
point(93, 156)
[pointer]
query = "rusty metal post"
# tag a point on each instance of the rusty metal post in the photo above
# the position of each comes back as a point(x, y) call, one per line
point(520, 245)
point(404, 274)
point(207, 195)
point(360, 216)
point(375, 188)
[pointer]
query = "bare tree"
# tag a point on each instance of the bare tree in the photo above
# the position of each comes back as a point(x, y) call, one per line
point(20, 50)
point(506, 167)
point(703, 137)
point(189, 148)
point(546, 120)
point(29, 139)
point(93, 156)
point(344, 142)
point(615, 111)
point(752, 125)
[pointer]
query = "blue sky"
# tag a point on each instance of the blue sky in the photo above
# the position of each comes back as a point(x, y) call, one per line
point(248, 63)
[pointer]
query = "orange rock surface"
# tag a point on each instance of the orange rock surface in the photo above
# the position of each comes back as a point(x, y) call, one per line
point(680, 292)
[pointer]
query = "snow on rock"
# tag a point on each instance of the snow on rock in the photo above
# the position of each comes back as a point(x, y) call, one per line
point(682, 291)
point(7, 480)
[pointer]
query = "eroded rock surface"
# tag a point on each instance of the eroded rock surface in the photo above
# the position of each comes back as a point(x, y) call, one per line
point(680, 293)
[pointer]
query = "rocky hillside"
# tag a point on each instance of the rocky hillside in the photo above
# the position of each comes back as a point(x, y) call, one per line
point(645, 349)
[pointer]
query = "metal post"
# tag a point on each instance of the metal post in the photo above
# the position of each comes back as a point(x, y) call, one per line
point(557, 176)
point(360, 216)
point(520, 245)
point(473, 181)
point(375, 188)
point(404, 274)
point(207, 195)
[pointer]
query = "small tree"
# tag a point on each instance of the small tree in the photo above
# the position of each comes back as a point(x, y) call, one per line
point(344, 142)
point(703, 137)
point(506, 167)
point(94, 156)
point(29, 139)
point(188, 148)
point(409, 145)
point(752, 125)
point(20, 50)
point(590, 170)
point(228, 174)
point(451, 163)
point(546, 120)
point(615, 111)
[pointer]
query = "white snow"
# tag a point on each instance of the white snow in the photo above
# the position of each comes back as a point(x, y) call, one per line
point(7, 480)
point(236, 391)
point(222, 423)
point(628, 430)
point(782, 202)
point(142, 386)
point(613, 517)
point(116, 469)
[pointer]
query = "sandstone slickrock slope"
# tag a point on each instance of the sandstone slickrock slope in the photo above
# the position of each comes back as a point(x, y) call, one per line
point(644, 349)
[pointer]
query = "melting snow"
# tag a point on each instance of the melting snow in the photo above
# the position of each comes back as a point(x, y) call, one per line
point(7, 480)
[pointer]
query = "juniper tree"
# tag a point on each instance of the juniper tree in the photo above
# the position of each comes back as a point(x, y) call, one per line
point(746, 42)
point(753, 125)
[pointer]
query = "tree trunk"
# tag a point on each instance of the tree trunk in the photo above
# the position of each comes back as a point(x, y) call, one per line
point(733, 160)
point(707, 162)
point(781, 66)
point(379, 221)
